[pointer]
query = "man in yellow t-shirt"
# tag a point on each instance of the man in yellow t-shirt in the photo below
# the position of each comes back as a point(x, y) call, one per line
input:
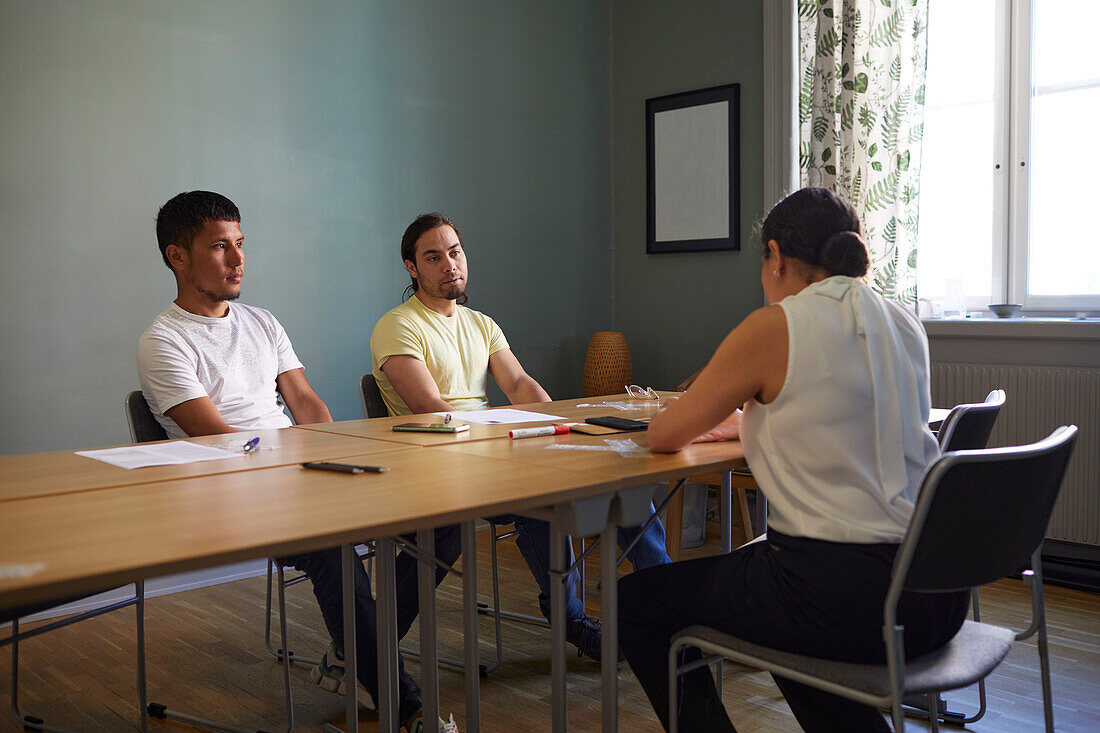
point(433, 354)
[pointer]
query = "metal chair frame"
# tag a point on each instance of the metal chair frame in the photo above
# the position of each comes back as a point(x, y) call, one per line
point(31, 722)
point(370, 398)
point(143, 429)
point(966, 427)
point(1060, 442)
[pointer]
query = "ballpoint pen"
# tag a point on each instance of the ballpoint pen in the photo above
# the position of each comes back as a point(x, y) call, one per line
point(251, 445)
point(343, 467)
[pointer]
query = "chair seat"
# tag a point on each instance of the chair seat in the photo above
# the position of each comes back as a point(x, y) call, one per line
point(972, 654)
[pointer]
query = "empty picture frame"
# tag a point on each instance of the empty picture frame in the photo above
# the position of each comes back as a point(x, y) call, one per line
point(693, 179)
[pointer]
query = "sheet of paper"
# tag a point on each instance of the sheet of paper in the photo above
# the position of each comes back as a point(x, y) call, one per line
point(159, 454)
point(621, 405)
point(938, 414)
point(500, 416)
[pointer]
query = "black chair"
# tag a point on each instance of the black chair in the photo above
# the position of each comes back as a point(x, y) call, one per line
point(980, 516)
point(137, 600)
point(374, 406)
point(30, 722)
point(371, 397)
point(144, 428)
point(968, 426)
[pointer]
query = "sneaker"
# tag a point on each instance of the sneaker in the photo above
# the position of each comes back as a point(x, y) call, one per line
point(329, 675)
point(417, 726)
point(586, 634)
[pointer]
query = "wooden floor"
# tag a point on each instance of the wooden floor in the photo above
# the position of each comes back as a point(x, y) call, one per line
point(206, 656)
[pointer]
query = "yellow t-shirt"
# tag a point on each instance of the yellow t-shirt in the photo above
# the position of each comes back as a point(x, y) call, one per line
point(455, 349)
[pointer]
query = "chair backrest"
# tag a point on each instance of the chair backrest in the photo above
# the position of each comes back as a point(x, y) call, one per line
point(144, 428)
point(373, 404)
point(967, 427)
point(982, 514)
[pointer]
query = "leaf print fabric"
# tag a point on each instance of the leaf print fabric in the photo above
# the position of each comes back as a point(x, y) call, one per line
point(861, 121)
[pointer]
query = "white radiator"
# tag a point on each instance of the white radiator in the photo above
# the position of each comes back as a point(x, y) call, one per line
point(1040, 399)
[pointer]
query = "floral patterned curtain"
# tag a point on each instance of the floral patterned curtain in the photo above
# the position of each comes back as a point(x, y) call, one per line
point(861, 120)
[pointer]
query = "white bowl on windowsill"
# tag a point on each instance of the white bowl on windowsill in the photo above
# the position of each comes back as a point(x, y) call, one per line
point(1005, 310)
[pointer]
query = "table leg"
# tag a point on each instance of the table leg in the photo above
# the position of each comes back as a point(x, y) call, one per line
point(609, 597)
point(469, 625)
point(557, 629)
point(761, 513)
point(429, 673)
point(351, 711)
point(674, 522)
point(725, 504)
point(385, 557)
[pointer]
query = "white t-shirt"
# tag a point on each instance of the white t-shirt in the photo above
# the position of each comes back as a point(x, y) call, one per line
point(233, 360)
point(841, 451)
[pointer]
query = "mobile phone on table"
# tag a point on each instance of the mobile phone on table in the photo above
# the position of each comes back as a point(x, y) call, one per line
point(619, 423)
point(429, 427)
point(343, 467)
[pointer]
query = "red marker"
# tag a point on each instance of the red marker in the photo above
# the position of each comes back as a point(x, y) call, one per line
point(538, 432)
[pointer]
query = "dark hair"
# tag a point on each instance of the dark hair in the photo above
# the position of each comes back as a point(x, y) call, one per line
point(422, 225)
point(820, 228)
point(181, 219)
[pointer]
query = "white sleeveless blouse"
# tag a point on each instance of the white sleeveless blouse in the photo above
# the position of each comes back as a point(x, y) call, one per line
point(841, 451)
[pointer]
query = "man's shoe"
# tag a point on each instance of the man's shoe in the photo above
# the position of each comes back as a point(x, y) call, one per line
point(417, 726)
point(586, 634)
point(329, 675)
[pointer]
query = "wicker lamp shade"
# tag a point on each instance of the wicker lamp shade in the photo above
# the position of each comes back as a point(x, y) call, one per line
point(607, 367)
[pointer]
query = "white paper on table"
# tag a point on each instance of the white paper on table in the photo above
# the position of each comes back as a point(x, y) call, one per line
point(500, 416)
point(938, 414)
point(160, 454)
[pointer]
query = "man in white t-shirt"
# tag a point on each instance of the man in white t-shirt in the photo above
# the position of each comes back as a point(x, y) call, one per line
point(210, 366)
point(433, 354)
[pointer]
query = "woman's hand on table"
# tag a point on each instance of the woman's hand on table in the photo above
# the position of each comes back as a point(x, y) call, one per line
point(728, 429)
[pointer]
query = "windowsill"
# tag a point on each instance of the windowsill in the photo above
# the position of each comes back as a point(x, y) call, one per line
point(1019, 327)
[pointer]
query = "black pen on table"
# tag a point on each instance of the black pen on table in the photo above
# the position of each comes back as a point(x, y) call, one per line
point(344, 467)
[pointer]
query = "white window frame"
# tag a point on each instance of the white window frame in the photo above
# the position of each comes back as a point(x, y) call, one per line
point(1012, 154)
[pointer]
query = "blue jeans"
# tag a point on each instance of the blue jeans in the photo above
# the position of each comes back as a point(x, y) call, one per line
point(533, 540)
point(323, 569)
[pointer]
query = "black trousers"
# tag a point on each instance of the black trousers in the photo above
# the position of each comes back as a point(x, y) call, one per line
point(806, 596)
point(323, 569)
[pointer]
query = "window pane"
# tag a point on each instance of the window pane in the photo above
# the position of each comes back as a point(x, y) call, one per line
point(1064, 41)
point(1064, 246)
point(1063, 258)
point(955, 238)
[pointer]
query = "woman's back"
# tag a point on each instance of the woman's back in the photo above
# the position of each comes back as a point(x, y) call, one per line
point(841, 451)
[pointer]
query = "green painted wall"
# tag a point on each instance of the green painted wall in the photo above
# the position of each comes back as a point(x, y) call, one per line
point(675, 308)
point(331, 125)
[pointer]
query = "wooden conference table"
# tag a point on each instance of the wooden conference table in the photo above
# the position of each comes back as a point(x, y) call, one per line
point(75, 525)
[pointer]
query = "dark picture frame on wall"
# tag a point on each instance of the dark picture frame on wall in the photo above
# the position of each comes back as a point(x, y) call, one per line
point(693, 171)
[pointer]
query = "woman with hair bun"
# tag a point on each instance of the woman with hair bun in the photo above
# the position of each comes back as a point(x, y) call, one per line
point(833, 379)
